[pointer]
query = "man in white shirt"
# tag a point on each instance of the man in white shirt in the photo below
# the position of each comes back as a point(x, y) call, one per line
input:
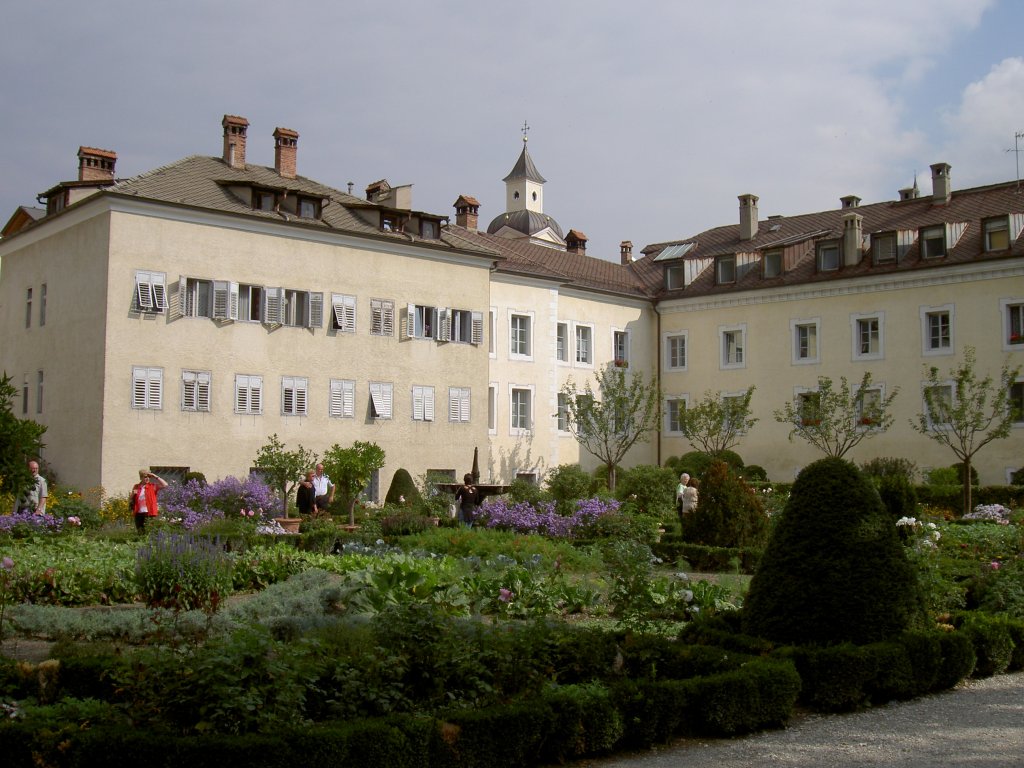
point(33, 498)
point(323, 488)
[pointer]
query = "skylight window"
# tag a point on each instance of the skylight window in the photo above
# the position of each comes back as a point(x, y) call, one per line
point(675, 251)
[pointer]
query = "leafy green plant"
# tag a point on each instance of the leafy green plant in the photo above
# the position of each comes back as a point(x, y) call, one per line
point(566, 483)
point(182, 572)
point(729, 513)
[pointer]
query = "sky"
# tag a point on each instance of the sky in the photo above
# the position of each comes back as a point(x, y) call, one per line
point(647, 118)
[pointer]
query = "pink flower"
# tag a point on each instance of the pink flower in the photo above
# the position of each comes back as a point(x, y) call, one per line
point(995, 565)
point(74, 521)
point(242, 512)
point(505, 595)
point(8, 564)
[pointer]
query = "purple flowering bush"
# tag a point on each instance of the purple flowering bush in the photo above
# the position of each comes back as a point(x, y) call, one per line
point(196, 504)
point(21, 524)
point(543, 518)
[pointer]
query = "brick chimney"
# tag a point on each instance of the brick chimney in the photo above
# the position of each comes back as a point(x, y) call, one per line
point(286, 142)
point(626, 252)
point(576, 242)
point(467, 212)
point(748, 217)
point(849, 201)
point(941, 190)
point(96, 164)
point(234, 140)
point(853, 237)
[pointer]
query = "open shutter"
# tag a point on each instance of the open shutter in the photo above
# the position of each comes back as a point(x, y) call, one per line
point(143, 291)
point(444, 324)
point(376, 401)
point(159, 293)
point(478, 328)
point(410, 320)
point(232, 301)
point(315, 311)
point(417, 403)
point(179, 307)
point(273, 306)
point(349, 315)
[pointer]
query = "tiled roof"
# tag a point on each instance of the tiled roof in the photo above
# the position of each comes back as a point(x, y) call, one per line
point(801, 233)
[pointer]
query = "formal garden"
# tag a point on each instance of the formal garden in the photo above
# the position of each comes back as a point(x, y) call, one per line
point(568, 621)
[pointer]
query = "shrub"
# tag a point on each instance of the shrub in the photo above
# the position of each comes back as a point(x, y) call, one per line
point(199, 477)
point(942, 476)
point(402, 522)
point(197, 504)
point(754, 473)
point(993, 644)
point(959, 469)
point(728, 514)
point(888, 466)
point(650, 490)
point(566, 483)
point(834, 569)
point(403, 490)
point(958, 659)
point(182, 572)
point(521, 490)
point(897, 495)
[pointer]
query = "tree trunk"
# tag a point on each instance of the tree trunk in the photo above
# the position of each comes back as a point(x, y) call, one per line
point(967, 485)
point(611, 477)
point(352, 510)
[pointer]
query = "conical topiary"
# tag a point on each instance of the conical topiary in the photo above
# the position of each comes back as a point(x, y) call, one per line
point(402, 487)
point(834, 569)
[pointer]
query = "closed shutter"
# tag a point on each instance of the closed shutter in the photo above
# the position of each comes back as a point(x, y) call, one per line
point(203, 392)
point(139, 387)
point(273, 306)
point(189, 394)
point(389, 318)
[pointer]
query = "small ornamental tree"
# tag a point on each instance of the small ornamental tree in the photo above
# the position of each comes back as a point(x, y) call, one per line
point(609, 420)
point(835, 420)
point(20, 442)
point(717, 423)
point(728, 514)
point(965, 413)
point(282, 469)
point(352, 469)
point(834, 570)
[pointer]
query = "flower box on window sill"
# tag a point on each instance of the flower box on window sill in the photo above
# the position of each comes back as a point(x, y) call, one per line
point(811, 423)
point(1016, 338)
point(867, 421)
point(620, 363)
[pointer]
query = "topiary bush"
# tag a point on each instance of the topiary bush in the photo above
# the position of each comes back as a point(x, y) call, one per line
point(649, 490)
point(728, 514)
point(834, 569)
point(567, 483)
point(403, 490)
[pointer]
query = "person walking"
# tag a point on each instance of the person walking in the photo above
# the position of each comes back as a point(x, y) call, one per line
point(468, 499)
point(32, 500)
point(324, 489)
point(305, 496)
point(142, 500)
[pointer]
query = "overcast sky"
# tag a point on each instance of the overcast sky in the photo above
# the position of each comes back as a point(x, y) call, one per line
point(646, 118)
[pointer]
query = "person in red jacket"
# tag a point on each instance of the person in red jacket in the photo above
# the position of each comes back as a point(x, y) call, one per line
point(142, 501)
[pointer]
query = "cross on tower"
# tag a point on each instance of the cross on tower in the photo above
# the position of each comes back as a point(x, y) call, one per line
point(525, 129)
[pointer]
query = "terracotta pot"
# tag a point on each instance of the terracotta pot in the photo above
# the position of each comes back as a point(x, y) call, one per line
point(290, 524)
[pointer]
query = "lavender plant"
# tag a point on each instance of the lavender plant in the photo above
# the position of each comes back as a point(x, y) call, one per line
point(183, 572)
point(543, 518)
point(195, 504)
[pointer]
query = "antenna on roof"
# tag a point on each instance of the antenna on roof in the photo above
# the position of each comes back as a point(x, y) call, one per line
point(1016, 154)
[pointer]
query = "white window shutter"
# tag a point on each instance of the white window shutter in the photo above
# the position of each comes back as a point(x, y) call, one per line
point(349, 314)
point(335, 403)
point(300, 397)
point(203, 392)
point(388, 311)
point(273, 306)
point(417, 403)
point(464, 405)
point(348, 399)
point(376, 317)
point(478, 328)
point(453, 404)
point(376, 400)
point(410, 321)
point(188, 391)
point(241, 394)
point(232, 301)
point(444, 324)
point(159, 293)
point(138, 387)
point(428, 403)
point(155, 394)
point(143, 290)
point(287, 395)
point(388, 397)
point(256, 394)
point(316, 310)
point(221, 300)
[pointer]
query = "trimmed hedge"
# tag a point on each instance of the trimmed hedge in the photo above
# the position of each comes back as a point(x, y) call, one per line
point(950, 497)
point(708, 559)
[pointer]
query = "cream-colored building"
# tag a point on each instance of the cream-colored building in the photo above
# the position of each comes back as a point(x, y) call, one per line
point(176, 319)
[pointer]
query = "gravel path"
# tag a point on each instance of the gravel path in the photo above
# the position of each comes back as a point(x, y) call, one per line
point(978, 724)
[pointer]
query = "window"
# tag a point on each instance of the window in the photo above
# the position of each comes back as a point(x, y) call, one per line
point(584, 345)
point(195, 391)
point(805, 341)
point(420, 321)
point(39, 391)
point(620, 348)
point(675, 352)
point(308, 208)
point(772, 263)
point(343, 312)
point(381, 398)
point(429, 229)
point(937, 330)
point(933, 242)
point(562, 413)
point(342, 399)
point(732, 405)
point(422, 403)
point(868, 413)
point(809, 407)
point(520, 412)
point(28, 307)
point(675, 408)
point(520, 337)
point(250, 303)
point(675, 277)
point(828, 256)
point(883, 248)
point(150, 292)
point(996, 234)
point(462, 326)
point(24, 396)
point(938, 401)
point(371, 492)
point(732, 347)
point(195, 297)
point(391, 222)
point(263, 200)
point(492, 327)
point(382, 317)
point(147, 387)
point(562, 342)
point(492, 408)
point(42, 305)
point(1013, 323)
point(1016, 402)
point(303, 309)
point(458, 404)
point(868, 336)
point(293, 395)
point(249, 394)
point(725, 269)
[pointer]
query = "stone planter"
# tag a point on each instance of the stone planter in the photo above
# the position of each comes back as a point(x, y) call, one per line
point(290, 524)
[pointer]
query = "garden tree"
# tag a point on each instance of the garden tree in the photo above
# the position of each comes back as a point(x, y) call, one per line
point(650, 490)
point(282, 469)
point(20, 442)
point(608, 421)
point(834, 569)
point(729, 513)
point(966, 413)
point(835, 420)
point(717, 423)
point(352, 469)
point(568, 483)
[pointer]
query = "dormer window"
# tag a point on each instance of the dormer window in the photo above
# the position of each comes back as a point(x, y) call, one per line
point(725, 269)
point(883, 248)
point(828, 256)
point(429, 229)
point(262, 200)
point(390, 222)
point(997, 233)
point(772, 263)
point(308, 208)
point(674, 277)
point(933, 242)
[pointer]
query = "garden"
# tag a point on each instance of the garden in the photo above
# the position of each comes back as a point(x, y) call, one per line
point(567, 621)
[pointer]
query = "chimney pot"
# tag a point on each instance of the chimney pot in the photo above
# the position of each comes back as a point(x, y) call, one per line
point(626, 252)
point(467, 212)
point(748, 217)
point(286, 143)
point(96, 164)
point(234, 140)
point(576, 242)
point(849, 201)
point(941, 190)
point(853, 236)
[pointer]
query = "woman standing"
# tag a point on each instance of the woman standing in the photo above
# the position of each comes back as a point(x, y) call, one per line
point(305, 495)
point(468, 498)
point(142, 500)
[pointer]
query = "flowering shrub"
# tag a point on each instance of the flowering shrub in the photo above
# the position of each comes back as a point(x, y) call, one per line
point(22, 524)
point(542, 518)
point(995, 513)
point(195, 504)
point(182, 572)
